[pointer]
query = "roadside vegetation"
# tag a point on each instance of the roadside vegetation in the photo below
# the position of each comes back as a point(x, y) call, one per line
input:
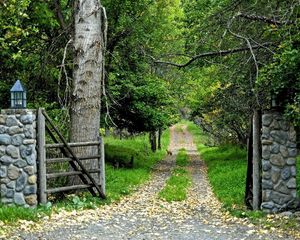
point(177, 185)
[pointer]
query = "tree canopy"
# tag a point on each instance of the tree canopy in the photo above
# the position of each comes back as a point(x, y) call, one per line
point(231, 57)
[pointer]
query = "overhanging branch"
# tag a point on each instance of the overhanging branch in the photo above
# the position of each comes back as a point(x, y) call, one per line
point(264, 19)
point(212, 54)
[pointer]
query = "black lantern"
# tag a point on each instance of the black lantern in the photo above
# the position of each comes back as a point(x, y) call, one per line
point(17, 96)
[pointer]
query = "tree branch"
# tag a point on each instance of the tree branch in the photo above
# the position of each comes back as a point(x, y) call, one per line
point(59, 15)
point(212, 54)
point(264, 19)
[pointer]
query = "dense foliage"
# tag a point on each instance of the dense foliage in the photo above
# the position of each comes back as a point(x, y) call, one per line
point(219, 92)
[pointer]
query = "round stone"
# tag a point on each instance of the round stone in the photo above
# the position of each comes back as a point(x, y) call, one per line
point(29, 141)
point(29, 131)
point(266, 184)
point(11, 184)
point(3, 171)
point(31, 160)
point(266, 175)
point(292, 135)
point(2, 119)
point(6, 160)
point(280, 198)
point(284, 151)
point(293, 171)
point(29, 170)
point(25, 151)
point(275, 174)
point(12, 151)
point(277, 160)
point(291, 183)
point(266, 151)
point(12, 121)
point(17, 140)
point(268, 205)
point(15, 130)
point(281, 187)
point(279, 136)
point(3, 190)
point(2, 150)
point(21, 181)
point(27, 119)
point(32, 179)
point(13, 172)
point(291, 161)
point(10, 193)
point(19, 198)
point(5, 139)
point(266, 165)
point(286, 173)
point(20, 163)
point(3, 129)
point(275, 148)
point(284, 125)
point(267, 119)
point(292, 152)
point(31, 200)
point(30, 189)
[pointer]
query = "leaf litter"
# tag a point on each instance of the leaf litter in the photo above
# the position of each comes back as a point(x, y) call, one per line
point(143, 215)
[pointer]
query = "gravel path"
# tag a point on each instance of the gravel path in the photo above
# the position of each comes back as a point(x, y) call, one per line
point(143, 215)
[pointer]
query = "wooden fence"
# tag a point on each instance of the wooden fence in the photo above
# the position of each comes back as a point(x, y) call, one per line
point(91, 179)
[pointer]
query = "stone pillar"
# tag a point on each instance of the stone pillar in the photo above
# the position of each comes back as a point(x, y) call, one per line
point(278, 163)
point(18, 170)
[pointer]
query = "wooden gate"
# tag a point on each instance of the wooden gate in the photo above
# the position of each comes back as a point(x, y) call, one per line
point(92, 179)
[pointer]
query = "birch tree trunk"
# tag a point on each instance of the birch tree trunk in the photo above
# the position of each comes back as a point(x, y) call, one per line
point(87, 76)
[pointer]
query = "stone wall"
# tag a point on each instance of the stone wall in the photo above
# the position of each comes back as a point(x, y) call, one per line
point(18, 170)
point(278, 163)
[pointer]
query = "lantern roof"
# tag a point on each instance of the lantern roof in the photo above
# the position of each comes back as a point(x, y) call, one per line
point(17, 87)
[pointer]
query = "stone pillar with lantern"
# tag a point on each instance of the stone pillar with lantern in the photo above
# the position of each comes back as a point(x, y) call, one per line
point(18, 157)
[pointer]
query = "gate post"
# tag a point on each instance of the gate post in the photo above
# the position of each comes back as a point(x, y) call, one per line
point(41, 157)
point(102, 165)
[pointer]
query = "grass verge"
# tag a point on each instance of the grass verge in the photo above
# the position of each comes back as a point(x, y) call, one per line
point(177, 185)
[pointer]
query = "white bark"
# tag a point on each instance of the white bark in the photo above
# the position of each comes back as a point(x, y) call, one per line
point(88, 69)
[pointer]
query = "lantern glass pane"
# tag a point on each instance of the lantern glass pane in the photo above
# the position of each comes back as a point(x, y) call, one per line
point(12, 100)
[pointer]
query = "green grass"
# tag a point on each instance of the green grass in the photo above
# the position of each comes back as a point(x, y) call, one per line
point(12, 213)
point(123, 181)
point(227, 168)
point(182, 158)
point(177, 185)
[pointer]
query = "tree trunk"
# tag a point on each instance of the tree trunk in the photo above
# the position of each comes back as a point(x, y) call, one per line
point(152, 138)
point(87, 74)
point(256, 160)
point(159, 139)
